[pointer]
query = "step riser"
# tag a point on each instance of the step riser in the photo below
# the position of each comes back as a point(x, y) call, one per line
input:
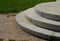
point(45, 25)
point(43, 22)
point(49, 16)
point(40, 35)
point(46, 12)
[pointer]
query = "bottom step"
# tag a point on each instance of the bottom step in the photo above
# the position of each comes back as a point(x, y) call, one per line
point(30, 28)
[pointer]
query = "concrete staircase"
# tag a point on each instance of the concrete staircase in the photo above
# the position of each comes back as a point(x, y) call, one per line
point(43, 20)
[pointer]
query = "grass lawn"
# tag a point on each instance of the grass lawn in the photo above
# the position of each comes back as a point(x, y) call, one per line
point(15, 6)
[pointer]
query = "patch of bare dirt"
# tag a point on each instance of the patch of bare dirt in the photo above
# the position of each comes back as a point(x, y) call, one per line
point(10, 30)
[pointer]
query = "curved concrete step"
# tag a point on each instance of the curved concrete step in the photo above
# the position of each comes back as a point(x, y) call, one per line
point(42, 22)
point(29, 27)
point(50, 10)
point(35, 30)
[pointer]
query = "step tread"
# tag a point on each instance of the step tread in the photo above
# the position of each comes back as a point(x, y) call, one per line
point(32, 14)
point(49, 8)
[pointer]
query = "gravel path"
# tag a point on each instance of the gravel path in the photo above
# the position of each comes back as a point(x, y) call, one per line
point(10, 30)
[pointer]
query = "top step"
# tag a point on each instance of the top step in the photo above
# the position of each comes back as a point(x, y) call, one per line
point(50, 10)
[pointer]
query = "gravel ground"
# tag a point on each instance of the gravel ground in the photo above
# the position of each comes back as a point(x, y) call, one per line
point(10, 30)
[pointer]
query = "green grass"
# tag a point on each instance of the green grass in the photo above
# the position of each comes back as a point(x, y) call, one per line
point(15, 6)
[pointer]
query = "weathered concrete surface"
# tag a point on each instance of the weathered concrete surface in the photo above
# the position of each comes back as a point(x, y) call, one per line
point(50, 10)
point(22, 19)
point(41, 21)
point(30, 28)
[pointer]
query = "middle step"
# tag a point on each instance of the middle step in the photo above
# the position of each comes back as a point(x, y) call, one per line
point(41, 21)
